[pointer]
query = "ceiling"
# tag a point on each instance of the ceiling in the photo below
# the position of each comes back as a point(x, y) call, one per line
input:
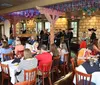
point(11, 3)
point(7, 6)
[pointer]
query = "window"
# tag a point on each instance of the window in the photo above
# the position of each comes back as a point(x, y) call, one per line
point(74, 26)
point(47, 26)
point(38, 27)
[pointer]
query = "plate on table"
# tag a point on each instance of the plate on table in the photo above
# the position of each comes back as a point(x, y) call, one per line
point(16, 64)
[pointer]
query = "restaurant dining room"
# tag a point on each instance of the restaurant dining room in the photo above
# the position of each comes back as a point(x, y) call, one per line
point(49, 42)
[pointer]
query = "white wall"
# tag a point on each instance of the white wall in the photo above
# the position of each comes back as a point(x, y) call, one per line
point(7, 28)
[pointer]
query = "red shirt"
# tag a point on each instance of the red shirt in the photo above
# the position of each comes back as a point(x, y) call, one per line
point(43, 58)
point(83, 44)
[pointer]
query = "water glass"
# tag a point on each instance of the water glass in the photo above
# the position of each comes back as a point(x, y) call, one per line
point(91, 63)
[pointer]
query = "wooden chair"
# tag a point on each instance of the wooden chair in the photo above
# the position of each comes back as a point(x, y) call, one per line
point(8, 55)
point(73, 67)
point(65, 63)
point(82, 78)
point(5, 73)
point(73, 64)
point(46, 69)
point(22, 83)
point(55, 65)
point(30, 75)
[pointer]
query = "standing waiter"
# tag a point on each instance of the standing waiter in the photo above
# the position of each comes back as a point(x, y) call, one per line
point(68, 36)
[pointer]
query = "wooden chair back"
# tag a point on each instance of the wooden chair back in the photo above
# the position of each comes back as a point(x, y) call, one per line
point(5, 69)
point(30, 75)
point(56, 61)
point(73, 64)
point(22, 83)
point(82, 78)
point(55, 65)
point(8, 56)
point(5, 73)
point(46, 69)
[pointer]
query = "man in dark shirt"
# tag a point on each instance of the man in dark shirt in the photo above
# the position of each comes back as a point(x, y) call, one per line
point(93, 35)
point(69, 36)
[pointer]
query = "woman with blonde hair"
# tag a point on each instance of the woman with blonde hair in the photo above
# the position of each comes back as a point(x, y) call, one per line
point(63, 50)
point(27, 63)
point(27, 54)
point(35, 48)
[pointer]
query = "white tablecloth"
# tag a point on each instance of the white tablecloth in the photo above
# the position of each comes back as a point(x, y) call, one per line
point(95, 76)
point(12, 69)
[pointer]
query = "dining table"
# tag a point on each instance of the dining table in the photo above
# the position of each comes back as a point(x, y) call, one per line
point(12, 69)
point(93, 69)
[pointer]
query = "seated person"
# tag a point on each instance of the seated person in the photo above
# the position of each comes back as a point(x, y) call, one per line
point(44, 57)
point(84, 53)
point(5, 49)
point(83, 44)
point(63, 50)
point(96, 49)
point(31, 40)
point(19, 48)
point(54, 50)
point(27, 63)
point(35, 48)
point(11, 39)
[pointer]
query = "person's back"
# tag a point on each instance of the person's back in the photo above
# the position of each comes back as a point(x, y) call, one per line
point(27, 63)
point(44, 57)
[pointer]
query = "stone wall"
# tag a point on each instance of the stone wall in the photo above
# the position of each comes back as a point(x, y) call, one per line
point(61, 23)
point(89, 22)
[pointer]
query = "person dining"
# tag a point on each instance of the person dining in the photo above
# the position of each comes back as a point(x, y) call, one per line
point(31, 40)
point(54, 50)
point(96, 49)
point(27, 63)
point(4, 50)
point(62, 50)
point(83, 54)
point(35, 49)
point(19, 48)
point(44, 56)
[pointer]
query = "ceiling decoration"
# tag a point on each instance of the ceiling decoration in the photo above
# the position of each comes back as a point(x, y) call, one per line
point(87, 6)
point(77, 8)
point(30, 13)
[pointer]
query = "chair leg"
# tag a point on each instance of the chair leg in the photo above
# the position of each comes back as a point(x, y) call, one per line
point(43, 80)
point(64, 70)
point(50, 80)
point(2, 81)
point(52, 75)
point(9, 83)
